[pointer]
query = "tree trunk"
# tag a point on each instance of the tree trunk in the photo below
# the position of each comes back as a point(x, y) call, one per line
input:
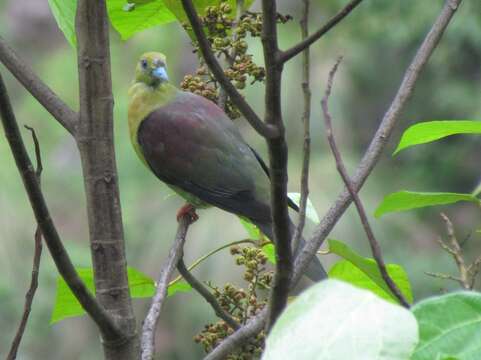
point(95, 141)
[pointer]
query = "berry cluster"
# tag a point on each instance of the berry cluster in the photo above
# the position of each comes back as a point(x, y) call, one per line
point(254, 260)
point(228, 41)
point(195, 84)
point(240, 304)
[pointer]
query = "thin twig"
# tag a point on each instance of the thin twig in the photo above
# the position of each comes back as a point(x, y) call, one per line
point(374, 244)
point(380, 139)
point(215, 251)
point(230, 57)
point(207, 295)
point(150, 322)
point(296, 49)
point(38, 155)
point(457, 252)
point(214, 66)
point(467, 274)
point(473, 271)
point(49, 232)
point(238, 338)
point(12, 354)
point(444, 276)
point(306, 117)
point(28, 296)
point(45, 96)
point(363, 171)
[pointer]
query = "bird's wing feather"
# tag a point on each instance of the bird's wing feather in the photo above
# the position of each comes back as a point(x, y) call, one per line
point(191, 144)
point(262, 163)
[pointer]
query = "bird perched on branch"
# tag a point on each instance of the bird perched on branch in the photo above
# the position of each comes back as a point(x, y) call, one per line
point(189, 143)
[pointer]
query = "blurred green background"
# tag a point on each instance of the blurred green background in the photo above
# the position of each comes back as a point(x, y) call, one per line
point(377, 41)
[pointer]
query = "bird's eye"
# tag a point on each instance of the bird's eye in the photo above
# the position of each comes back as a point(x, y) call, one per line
point(143, 63)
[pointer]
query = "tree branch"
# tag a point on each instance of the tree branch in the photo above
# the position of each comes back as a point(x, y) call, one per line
point(232, 55)
point(457, 252)
point(39, 90)
point(239, 338)
point(363, 170)
point(12, 354)
point(150, 322)
point(207, 295)
point(49, 232)
point(214, 66)
point(308, 41)
point(277, 165)
point(381, 137)
point(467, 273)
point(306, 121)
point(375, 247)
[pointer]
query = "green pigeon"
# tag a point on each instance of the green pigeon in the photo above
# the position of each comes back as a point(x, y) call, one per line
point(190, 144)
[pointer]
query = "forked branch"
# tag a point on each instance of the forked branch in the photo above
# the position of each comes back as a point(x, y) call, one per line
point(374, 244)
point(207, 295)
point(363, 171)
point(467, 273)
point(380, 139)
point(308, 41)
point(44, 220)
point(216, 69)
point(12, 354)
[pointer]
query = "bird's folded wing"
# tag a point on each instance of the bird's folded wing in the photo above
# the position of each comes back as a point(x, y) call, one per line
point(191, 144)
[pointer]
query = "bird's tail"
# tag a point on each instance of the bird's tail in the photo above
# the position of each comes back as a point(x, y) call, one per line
point(315, 271)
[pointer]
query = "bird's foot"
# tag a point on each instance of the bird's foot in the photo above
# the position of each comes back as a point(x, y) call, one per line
point(187, 210)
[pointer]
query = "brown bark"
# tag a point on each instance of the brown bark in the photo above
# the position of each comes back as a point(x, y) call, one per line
point(277, 164)
point(95, 142)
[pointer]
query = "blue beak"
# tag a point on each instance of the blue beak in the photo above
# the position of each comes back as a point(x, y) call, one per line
point(160, 73)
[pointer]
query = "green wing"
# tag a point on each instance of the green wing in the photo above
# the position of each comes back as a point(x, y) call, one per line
point(190, 144)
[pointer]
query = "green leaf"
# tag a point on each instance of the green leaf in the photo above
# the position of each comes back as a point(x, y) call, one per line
point(369, 268)
point(140, 285)
point(348, 272)
point(407, 200)
point(256, 234)
point(477, 191)
point(175, 6)
point(178, 287)
point(449, 327)
point(311, 212)
point(334, 320)
point(139, 2)
point(66, 305)
point(270, 251)
point(64, 13)
point(145, 14)
point(252, 230)
point(433, 130)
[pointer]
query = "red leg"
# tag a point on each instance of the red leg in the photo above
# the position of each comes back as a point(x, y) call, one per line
point(187, 210)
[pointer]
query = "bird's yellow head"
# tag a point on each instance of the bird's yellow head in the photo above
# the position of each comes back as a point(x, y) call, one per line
point(152, 69)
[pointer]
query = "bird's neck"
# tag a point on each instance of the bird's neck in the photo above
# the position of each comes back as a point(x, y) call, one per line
point(143, 99)
point(157, 95)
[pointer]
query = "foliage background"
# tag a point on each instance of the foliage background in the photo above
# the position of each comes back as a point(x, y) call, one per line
point(377, 41)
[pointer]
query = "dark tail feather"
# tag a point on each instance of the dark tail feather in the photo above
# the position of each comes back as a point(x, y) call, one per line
point(315, 271)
